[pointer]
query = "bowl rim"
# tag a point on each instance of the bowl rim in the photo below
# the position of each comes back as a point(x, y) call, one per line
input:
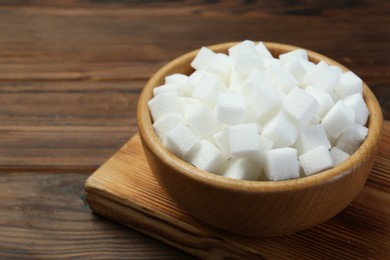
point(149, 138)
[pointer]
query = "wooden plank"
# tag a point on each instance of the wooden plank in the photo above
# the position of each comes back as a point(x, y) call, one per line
point(45, 216)
point(59, 148)
point(64, 125)
point(49, 43)
point(124, 190)
point(69, 103)
point(189, 7)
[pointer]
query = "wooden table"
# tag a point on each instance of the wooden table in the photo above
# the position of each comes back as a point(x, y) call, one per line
point(70, 76)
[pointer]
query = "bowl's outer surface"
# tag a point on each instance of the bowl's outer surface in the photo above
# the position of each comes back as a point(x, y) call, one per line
point(257, 208)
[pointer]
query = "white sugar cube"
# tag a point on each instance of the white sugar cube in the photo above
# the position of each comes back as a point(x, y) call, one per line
point(300, 105)
point(281, 78)
point(203, 59)
point(296, 68)
point(281, 130)
point(281, 164)
point(188, 100)
point(308, 65)
point(246, 62)
point(230, 108)
point(165, 124)
point(194, 78)
point(338, 155)
point(176, 78)
point(323, 98)
point(256, 79)
point(165, 104)
point(245, 46)
point(315, 120)
point(221, 66)
point(263, 102)
point(207, 88)
point(336, 69)
point(243, 140)
point(179, 88)
point(262, 50)
point(349, 84)
point(357, 104)
point(221, 139)
point(310, 137)
point(339, 118)
point(201, 120)
point(242, 169)
point(207, 157)
point(265, 145)
point(322, 76)
point(271, 61)
point(316, 160)
point(350, 140)
point(292, 55)
point(180, 140)
point(235, 80)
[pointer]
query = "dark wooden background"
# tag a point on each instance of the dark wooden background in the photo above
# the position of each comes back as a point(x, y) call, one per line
point(70, 75)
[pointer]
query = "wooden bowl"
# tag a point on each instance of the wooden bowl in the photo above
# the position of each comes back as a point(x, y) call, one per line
point(257, 208)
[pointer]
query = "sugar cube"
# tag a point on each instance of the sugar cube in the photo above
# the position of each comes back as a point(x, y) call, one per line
point(165, 104)
point(338, 155)
point(203, 58)
point(207, 88)
point(245, 46)
point(176, 78)
point(323, 98)
point(221, 66)
point(271, 61)
point(310, 137)
point(296, 69)
point(242, 169)
point(264, 102)
point(207, 157)
point(322, 76)
point(293, 55)
point(265, 145)
point(180, 140)
point(316, 160)
point(281, 78)
point(281, 164)
point(201, 120)
point(235, 80)
point(221, 139)
point(339, 118)
point(246, 62)
point(349, 84)
point(243, 140)
point(281, 130)
point(230, 108)
point(166, 123)
point(256, 79)
point(350, 140)
point(263, 51)
point(300, 105)
point(357, 104)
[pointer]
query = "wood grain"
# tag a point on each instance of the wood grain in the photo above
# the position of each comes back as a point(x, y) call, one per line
point(71, 72)
point(131, 196)
point(45, 216)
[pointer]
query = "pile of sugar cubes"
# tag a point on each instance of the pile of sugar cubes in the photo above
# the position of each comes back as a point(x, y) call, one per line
point(250, 116)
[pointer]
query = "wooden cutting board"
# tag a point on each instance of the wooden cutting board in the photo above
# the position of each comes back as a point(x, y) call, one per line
point(124, 190)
